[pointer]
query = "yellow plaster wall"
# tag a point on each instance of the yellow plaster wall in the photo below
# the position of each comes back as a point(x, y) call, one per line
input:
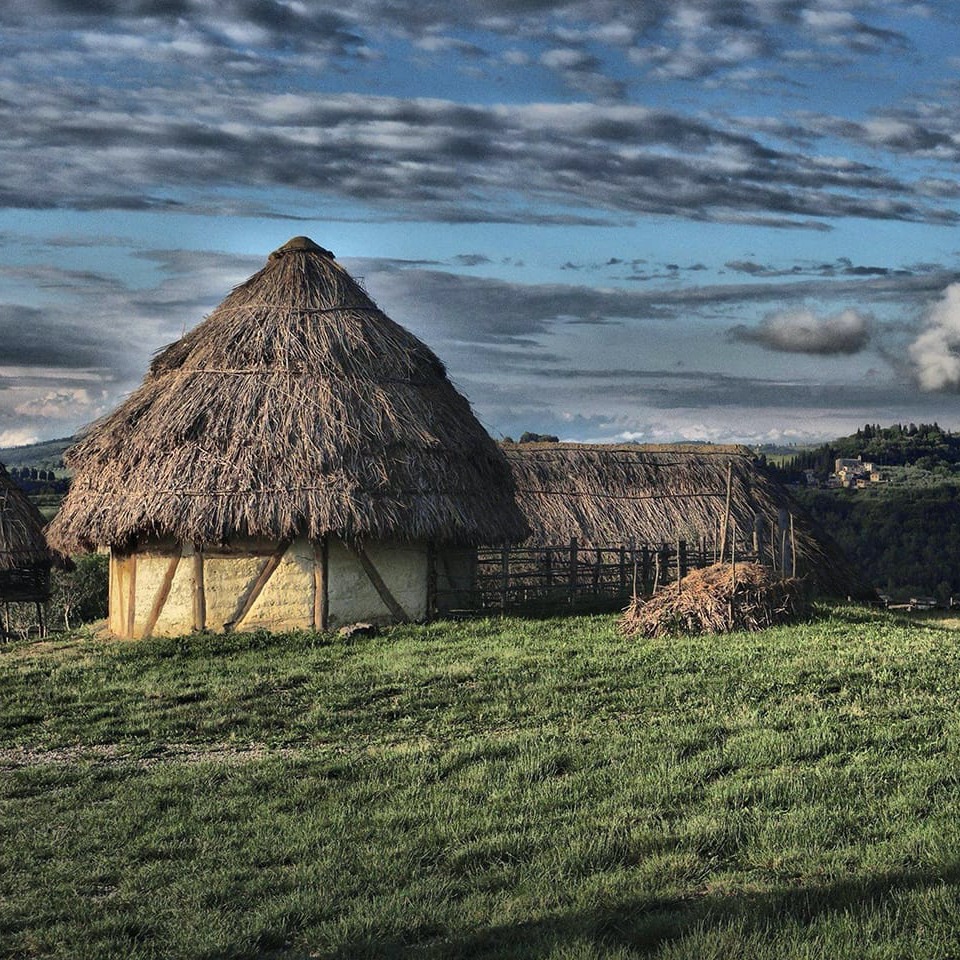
point(286, 601)
point(403, 567)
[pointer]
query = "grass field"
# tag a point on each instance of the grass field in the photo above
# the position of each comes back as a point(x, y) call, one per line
point(513, 788)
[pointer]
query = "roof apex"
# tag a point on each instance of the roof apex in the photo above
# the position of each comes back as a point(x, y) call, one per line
point(301, 245)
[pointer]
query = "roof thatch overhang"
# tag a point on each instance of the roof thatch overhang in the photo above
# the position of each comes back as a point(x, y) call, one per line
point(605, 495)
point(296, 408)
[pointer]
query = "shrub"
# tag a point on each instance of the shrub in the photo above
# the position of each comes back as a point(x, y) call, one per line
point(80, 595)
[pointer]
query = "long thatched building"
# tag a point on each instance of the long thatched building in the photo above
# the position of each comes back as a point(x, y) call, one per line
point(604, 495)
point(296, 460)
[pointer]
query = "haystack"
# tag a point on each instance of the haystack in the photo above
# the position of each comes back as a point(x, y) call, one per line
point(605, 495)
point(25, 557)
point(717, 599)
point(296, 460)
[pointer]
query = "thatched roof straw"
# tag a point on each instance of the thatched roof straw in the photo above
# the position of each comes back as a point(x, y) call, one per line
point(296, 407)
point(22, 543)
point(606, 495)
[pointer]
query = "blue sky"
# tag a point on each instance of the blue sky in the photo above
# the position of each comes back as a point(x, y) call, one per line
point(713, 220)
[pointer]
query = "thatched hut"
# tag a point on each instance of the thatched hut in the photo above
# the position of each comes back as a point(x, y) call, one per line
point(605, 495)
point(25, 557)
point(296, 460)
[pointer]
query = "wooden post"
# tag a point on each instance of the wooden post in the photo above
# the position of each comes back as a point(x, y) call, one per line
point(548, 569)
point(645, 568)
point(199, 591)
point(623, 571)
point(321, 585)
point(131, 594)
point(726, 511)
point(656, 574)
point(431, 598)
point(504, 578)
point(733, 553)
point(793, 548)
point(682, 558)
point(573, 573)
point(783, 532)
point(596, 573)
point(758, 539)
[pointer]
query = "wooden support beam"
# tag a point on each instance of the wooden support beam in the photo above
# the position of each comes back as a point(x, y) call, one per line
point(399, 614)
point(161, 598)
point(199, 592)
point(321, 585)
point(131, 565)
point(266, 572)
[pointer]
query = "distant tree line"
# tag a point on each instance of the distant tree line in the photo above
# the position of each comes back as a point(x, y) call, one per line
point(906, 541)
point(33, 480)
point(528, 437)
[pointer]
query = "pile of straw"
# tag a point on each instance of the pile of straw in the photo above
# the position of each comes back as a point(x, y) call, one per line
point(717, 599)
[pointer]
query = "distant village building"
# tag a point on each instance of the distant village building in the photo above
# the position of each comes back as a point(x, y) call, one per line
point(856, 473)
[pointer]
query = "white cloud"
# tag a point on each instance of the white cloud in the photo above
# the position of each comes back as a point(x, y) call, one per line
point(936, 352)
point(801, 331)
point(17, 438)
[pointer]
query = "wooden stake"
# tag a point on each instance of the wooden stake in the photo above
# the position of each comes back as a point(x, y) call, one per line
point(161, 598)
point(726, 511)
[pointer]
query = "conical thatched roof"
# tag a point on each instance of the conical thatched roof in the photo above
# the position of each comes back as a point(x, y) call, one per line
point(606, 495)
point(296, 407)
point(22, 543)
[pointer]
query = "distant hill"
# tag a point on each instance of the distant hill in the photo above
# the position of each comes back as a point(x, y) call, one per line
point(47, 455)
point(925, 445)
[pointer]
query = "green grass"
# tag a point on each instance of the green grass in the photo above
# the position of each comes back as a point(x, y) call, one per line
point(515, 788)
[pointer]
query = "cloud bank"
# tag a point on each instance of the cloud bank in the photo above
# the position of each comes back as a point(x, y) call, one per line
point(801, 331)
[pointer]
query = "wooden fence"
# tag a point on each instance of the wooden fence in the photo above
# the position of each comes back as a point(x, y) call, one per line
point(570, 576)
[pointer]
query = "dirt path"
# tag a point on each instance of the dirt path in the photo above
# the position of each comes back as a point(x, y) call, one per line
point(13, 758)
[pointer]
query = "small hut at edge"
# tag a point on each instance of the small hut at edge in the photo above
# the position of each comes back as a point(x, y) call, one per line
point(296, 460)
point(25, 557)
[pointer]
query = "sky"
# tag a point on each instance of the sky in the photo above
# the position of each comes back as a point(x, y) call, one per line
point(716, 220)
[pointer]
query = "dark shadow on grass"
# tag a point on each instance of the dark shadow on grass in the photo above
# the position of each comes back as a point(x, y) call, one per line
point(644, 925)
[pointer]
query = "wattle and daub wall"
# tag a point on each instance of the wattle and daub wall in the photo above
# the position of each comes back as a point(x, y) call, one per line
point(163, 589)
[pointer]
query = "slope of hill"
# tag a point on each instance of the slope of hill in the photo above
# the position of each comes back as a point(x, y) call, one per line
point(46, 455)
